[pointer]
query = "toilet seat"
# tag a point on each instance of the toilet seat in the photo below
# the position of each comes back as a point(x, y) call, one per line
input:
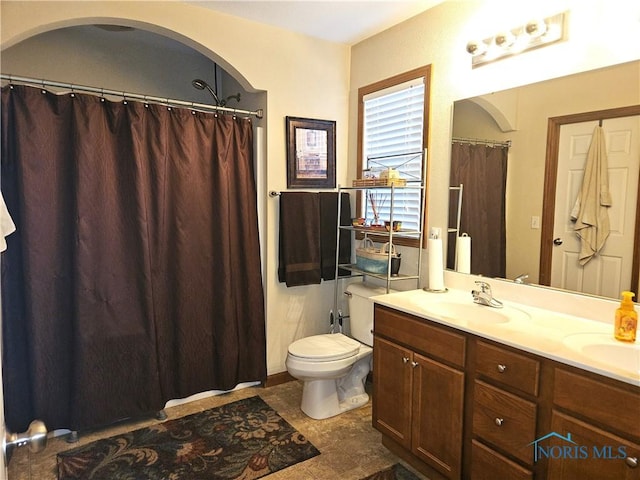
point(325, 348)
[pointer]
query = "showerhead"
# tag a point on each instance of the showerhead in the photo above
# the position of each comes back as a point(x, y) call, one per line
point(199, 84)
point(202, 85)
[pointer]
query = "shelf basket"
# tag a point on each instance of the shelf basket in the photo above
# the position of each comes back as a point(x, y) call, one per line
point(379, 182)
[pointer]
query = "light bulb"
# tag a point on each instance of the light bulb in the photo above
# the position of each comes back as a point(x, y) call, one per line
point(475, 47)
point(504, 40)
point(535, 28)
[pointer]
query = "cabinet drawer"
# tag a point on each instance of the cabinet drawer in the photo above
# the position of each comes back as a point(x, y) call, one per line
point(504, 420)
point(487, 464)
point(598, 401)
point(508, 368)
point(419, 335)
point(590, 453)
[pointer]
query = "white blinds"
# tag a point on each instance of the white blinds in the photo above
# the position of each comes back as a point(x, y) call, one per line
point(393, 133)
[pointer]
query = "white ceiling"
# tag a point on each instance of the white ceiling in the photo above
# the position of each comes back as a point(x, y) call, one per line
point(334, 20)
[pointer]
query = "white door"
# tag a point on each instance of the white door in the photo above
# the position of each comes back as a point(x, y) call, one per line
point(609, 272)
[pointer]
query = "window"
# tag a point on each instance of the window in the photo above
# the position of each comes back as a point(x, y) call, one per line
point(393, 121)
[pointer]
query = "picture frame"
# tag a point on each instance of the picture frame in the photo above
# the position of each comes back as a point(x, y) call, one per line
point(311, 153)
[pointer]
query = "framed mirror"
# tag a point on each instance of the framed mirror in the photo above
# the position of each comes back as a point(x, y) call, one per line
point(531, 122)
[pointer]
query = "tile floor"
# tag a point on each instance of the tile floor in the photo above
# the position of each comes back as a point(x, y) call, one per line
point(350, 448)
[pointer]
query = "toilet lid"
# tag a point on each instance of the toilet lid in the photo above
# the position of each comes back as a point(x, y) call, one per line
point(327, 347)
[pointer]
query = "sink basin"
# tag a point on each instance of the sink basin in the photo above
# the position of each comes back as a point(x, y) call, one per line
point(605, 349)
point(472, 313)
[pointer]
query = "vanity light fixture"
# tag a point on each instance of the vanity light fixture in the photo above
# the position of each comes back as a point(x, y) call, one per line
point(534, 34)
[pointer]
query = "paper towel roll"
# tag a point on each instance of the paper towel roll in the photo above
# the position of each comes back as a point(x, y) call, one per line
point(463, 253)
point(436, 267)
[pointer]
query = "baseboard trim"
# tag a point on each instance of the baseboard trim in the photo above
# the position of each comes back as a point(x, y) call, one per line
point(277, 379)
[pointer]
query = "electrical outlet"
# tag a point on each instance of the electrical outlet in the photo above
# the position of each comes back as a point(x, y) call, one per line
point(535, 222)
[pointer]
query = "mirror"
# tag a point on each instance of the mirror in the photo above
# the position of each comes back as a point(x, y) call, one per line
point(521, 116)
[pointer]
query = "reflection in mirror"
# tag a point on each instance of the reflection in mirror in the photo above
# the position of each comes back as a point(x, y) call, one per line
point(481, 168)
point(521, 117)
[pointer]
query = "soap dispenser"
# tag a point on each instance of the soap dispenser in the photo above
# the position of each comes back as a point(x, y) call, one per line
point(626, 319)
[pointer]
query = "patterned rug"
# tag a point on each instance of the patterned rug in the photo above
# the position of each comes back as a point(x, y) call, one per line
point(395, 472)
point(244, 440)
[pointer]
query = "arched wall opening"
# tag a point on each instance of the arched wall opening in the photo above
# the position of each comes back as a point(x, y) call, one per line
point(127, 56)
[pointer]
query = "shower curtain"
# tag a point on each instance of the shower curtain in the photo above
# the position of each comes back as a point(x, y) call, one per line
point(482, 169)
point(134, 274)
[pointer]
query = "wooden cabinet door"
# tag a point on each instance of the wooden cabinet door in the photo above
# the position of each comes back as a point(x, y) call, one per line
point(438, 393)
point(589, 442)
point(392, 382)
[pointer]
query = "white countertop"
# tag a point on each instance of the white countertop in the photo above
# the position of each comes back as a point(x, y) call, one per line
point(558, 336)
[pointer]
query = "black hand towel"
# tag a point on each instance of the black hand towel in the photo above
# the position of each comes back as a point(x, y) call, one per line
point(299, 239)
point(328, 225)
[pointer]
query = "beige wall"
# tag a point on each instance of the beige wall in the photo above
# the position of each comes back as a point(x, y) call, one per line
point(311, 78)
point(600, 33)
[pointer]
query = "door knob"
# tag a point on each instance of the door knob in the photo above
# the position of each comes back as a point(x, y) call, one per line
point(557, 241)
point(35, 437)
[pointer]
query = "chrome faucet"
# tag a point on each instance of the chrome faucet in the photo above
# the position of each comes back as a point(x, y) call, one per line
point(521, 278)
point(484, 295)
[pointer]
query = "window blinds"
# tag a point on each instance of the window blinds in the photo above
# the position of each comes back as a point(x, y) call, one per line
point(393, 133)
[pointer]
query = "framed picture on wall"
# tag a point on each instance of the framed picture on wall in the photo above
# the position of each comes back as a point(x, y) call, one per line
point(311, 153)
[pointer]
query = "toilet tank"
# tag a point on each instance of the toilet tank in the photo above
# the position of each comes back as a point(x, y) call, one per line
point(361, 310)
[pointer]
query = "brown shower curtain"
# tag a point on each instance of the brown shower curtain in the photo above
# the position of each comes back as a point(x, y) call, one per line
point(482, 170)
point(134, 274)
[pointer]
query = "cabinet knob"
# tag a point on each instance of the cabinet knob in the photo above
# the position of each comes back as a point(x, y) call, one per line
point(631, 462)
point(499, 421)
point(405, 359)
point(502, 368)
point(414, 364)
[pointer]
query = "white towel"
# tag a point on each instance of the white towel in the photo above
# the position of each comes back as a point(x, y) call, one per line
point(6, 224)
point(590, 212)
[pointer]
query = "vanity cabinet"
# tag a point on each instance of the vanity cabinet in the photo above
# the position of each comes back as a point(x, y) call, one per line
point(418, 383)
point(604, 422)
point(456, 405)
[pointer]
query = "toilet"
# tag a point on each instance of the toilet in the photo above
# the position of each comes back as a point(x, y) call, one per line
point(334, 366)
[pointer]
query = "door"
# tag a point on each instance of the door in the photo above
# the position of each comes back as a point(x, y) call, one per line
point(608, 272)
point(392, 384)
point(438, 409)
point(603, 456)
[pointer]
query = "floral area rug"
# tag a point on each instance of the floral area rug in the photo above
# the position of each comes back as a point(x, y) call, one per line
point(244, 440)
point(395, 472)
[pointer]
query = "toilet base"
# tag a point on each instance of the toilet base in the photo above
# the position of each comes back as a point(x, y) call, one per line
point(328, 398)
point(330, 405)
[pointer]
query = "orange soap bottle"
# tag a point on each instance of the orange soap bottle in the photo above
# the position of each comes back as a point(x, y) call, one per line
point(626, 319)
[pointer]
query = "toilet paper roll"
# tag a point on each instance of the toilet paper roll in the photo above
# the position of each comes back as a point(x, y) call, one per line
point(436, 265)
point(463, 254)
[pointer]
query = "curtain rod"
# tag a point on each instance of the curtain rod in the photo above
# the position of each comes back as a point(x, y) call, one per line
point(133, 96)
point(477, 141)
